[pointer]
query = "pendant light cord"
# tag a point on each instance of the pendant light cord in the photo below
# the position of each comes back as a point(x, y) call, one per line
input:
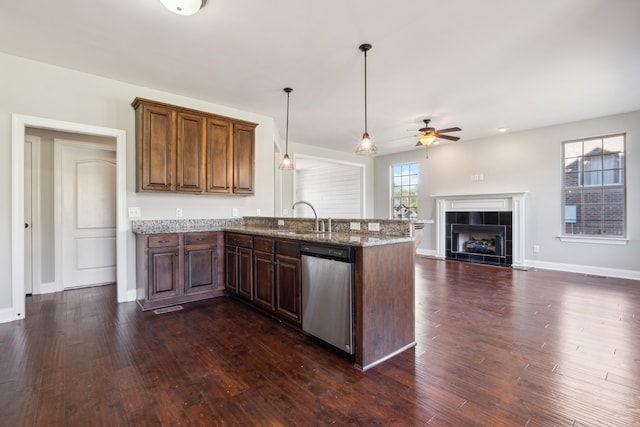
point(365, 90)
point(286, 149)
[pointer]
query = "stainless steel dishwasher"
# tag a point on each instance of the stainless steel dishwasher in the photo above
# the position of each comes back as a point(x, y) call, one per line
point(327, 293)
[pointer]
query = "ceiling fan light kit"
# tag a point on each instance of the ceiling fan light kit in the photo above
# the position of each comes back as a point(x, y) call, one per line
point(183, 7)
point(286, 163)
point(365, 147)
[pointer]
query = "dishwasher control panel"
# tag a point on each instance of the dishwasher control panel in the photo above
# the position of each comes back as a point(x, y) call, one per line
point(338, 253)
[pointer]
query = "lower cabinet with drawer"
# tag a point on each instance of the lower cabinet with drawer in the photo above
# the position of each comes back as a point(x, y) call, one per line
point(267, 272)
point(179, 267)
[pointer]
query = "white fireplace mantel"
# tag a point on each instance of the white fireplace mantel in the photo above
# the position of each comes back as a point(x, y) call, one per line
point(495, 202)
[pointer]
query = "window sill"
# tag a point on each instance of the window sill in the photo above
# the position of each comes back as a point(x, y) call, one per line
point(595, 240)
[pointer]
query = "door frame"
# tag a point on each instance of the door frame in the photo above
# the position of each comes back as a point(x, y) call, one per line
point(19, 123)
point(36, 277)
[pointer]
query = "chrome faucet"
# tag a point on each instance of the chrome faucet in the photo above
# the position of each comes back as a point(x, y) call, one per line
point(317, 227)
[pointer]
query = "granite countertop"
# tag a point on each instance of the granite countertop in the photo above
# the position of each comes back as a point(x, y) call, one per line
point(338, 238)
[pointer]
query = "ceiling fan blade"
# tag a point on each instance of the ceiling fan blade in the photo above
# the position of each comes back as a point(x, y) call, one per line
point(455, 129)
point(450, 138)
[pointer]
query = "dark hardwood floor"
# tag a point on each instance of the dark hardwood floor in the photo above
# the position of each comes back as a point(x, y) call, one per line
point(496, 347)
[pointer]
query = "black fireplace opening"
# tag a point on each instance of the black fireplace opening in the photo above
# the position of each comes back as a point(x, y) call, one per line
point(480, 237)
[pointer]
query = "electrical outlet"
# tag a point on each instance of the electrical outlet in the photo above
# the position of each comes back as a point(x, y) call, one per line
point(134, 212)
point(281, 222)
point(178, 212)
point(234, 212)
point(374, 226)
point(536, 249)
point(258, 211)
point(481, 177)
point(354, 226)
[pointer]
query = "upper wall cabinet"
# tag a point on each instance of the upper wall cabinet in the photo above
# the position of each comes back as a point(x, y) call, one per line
point(189, 151)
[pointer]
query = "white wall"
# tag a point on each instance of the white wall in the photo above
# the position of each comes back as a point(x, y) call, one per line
point(297, 149)
point(35, 89)
point(527, 161)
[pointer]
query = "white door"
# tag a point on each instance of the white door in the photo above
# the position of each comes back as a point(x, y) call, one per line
point(28, 235)
point(87, 215)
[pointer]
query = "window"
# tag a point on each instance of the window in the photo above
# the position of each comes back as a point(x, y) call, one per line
point(404, 190)
point(594, 187)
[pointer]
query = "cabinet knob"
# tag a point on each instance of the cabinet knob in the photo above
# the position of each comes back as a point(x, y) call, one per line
point(177, 254)
point(186, 252)
point(200, 239)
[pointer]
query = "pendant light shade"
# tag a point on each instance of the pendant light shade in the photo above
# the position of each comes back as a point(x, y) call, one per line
point(366, 147)
point(183, 7)
point(286, 163)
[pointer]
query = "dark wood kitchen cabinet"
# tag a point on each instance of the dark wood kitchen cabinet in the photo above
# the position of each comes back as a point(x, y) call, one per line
point(243, 159)
point(288, 281)
point(184, 150)
point(263, 273)
point(273, 281)
point(178, 268)
point(190, 152)
point(239, 264)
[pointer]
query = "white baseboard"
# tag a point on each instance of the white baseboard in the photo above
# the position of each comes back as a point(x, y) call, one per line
point(46, 288)
point(132, 295)
point(431, 253)
point(585, 269)
point(8, 315)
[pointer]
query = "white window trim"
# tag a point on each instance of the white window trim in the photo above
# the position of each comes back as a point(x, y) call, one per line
point(594, 240)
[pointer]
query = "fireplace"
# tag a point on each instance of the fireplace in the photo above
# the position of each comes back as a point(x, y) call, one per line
point(478, 239)
point(482, 237)
point(481, 228)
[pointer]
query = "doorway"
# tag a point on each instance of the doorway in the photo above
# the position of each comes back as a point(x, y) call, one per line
point(19, 125)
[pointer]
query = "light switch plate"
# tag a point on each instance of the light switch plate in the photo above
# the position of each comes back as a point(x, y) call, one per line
point(134, 212)
point(178, 212)
point(234, 212)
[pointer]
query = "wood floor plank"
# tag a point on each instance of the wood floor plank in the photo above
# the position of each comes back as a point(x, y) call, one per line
point(495, 347)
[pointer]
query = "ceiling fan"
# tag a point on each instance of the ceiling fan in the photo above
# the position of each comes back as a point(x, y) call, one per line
point(429, 134)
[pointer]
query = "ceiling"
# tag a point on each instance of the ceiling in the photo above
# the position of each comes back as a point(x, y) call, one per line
point(479, 65)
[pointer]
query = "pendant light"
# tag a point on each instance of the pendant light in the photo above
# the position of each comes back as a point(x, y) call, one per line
point(366, 147)
point(287, 163)
point(183, 7)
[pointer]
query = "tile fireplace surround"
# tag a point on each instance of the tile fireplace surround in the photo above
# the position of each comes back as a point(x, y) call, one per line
point(496, 202)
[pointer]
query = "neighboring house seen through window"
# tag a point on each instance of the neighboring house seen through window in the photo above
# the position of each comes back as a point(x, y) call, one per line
point(404, 190)
point(594, 187)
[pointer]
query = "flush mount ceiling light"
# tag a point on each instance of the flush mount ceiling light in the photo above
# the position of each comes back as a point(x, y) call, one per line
point(183, 7)
point(286, 163)
point(365, 147)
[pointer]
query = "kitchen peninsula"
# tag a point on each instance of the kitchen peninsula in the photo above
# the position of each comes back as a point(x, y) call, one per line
point(384, 271)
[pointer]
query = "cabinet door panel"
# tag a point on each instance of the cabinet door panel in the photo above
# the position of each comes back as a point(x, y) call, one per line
point(164, 273)
point(263, 275)
point(156, 151)
point(190, 153)
point(231, 268)
point(288, 288)
point(243, 159)
point(245, 273)
point(219, 166)
point(200, 267)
